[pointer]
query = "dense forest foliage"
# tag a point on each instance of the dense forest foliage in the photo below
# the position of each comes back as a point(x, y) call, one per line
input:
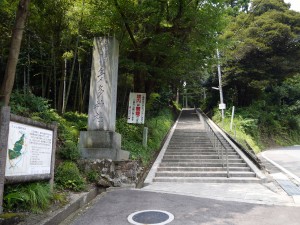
point(163, 45)
point(261, 71)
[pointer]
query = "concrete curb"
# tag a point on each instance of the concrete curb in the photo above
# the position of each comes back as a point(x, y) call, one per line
point(281, 168)
point(60, 215)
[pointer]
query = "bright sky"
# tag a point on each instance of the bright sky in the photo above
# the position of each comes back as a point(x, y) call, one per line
point(295, 4)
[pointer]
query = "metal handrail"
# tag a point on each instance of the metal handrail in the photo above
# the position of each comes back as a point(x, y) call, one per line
point(215, 140)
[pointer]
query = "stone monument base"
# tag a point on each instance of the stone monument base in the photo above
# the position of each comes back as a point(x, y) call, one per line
point(101, 145)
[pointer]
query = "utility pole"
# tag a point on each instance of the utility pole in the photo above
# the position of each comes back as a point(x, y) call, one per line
point(222, 106)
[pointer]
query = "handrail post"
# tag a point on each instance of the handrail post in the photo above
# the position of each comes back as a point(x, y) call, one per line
point(218, 148)
point(227, 164)
point(217, 144)
point(222, 155)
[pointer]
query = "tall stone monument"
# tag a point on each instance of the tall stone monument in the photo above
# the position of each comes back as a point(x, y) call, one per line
point(100, 140)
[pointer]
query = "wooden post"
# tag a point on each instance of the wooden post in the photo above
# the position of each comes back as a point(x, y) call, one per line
point(232, 116)
point(4, 128)
point(145, 136)
point(53, 155)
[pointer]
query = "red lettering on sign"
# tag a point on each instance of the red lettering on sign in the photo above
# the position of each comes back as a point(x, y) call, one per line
point(138, 98)
point(138, 111)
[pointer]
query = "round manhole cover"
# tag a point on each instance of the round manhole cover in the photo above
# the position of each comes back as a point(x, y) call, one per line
point(154, 217)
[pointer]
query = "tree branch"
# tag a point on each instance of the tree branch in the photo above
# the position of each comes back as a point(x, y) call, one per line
point(126, 24)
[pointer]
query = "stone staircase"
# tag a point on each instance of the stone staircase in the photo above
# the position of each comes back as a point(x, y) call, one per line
point(191, 157)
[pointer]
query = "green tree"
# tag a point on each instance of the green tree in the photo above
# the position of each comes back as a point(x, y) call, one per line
point(264, 49)
point(16, 39)
point(162, 44)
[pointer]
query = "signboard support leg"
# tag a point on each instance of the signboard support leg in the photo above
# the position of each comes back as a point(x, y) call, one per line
point(145, 136)
point(4, 127)
point(51, 182)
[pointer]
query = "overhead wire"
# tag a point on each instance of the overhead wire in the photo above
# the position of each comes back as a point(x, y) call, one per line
point(248, 18)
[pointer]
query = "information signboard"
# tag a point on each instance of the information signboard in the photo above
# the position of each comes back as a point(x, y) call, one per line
point(29, 150)
point(136, 108)
point(222, 106)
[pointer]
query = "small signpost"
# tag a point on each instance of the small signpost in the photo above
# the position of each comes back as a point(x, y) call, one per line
point(27, 150)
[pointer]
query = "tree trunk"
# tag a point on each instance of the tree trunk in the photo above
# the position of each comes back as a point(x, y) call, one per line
point(28, 66)
point(74, 59)
point(75, 95)
point(71, 76)
point(54, 72)
point(80, 96)
point(64, 88)
point(16, 39)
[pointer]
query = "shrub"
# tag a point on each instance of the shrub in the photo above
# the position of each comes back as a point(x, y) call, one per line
point(34, 197)
point(68, 176)
point(26, 104)
point(154, 104)
point(78, 120)
point(69, 151)
point(132, 135)
point(92, 176)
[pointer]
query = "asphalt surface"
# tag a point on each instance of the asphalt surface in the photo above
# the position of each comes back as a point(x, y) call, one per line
point(287, 157)
point(206, 203)
point(113, 208)
point(203, 203)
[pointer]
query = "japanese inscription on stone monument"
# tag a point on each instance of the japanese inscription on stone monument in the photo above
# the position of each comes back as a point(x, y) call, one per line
point(103, 84)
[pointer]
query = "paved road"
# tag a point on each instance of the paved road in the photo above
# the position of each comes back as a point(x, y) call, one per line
point(287, 157)
point(113, 208)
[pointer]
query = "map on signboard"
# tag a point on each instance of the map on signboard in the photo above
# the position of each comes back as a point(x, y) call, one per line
point(29, 150)
point(17, 150)
point(17, 156)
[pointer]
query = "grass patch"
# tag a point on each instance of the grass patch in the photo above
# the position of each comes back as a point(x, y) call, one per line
point(34, 197)
point(132, 135)
point(261, 129)
point(239, 133)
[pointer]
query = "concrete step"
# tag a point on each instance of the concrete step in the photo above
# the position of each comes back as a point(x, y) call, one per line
point(188, 153)
point(195, 150)
point(183, 148)
point(205, 174)
point(179, 157)
point(202, 136)
point(191, 148)
point(187, 169)
point(203, 152)
point(191, 157)
point(198, 134)
point(203, 160)
point(187, 144)
point(191, 143)
point(177, 134)
point(200, 164)
point(207, 179)
point(191, 137)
